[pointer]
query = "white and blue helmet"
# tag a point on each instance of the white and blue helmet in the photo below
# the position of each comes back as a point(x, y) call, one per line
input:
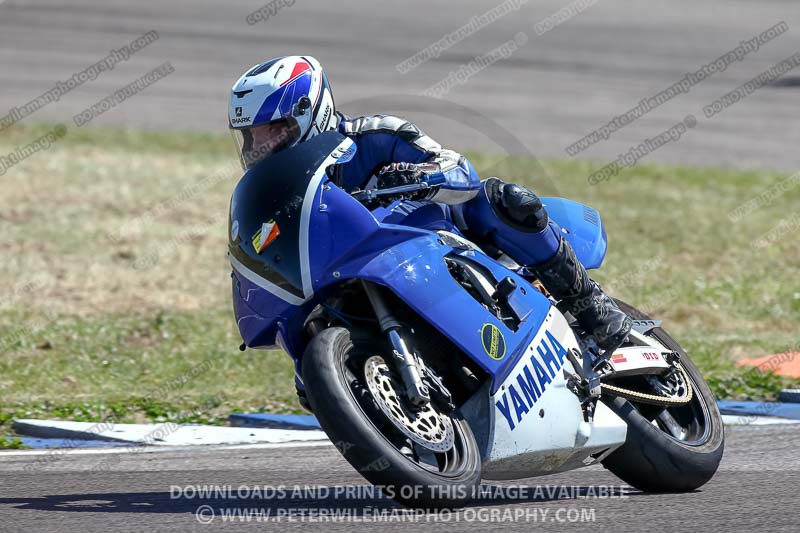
point(278, 104)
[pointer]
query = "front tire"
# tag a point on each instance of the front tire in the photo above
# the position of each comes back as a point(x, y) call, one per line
point(334, 381)
point(651, 459)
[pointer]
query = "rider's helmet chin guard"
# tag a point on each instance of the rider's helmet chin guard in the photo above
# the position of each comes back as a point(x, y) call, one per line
point(277, 104)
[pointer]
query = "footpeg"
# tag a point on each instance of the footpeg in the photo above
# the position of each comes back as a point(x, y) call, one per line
point(589, 379)
point(645, 326)
point(585, 383)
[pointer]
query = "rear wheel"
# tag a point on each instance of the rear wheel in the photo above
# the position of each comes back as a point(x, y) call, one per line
point(668, 449)
point(421, 458)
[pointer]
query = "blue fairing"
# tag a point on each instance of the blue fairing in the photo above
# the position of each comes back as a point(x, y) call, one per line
point(339, 239)
point(415, 270)
point(410, 261)
point(584, 229)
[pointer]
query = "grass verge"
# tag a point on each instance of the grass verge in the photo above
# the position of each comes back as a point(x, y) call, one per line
point(115, 288)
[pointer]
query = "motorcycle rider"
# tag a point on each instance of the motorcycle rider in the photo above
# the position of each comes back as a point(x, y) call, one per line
point(287, 100)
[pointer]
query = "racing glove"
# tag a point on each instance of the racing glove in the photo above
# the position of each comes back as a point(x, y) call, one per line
point(399, 174)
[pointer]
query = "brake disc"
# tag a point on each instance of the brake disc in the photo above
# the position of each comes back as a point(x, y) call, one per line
point(424, 425)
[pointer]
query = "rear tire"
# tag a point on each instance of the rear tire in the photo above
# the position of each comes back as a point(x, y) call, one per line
point(362, 438)
point(653, 461)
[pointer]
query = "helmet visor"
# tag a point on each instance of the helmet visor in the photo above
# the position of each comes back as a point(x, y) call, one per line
point(256, 143)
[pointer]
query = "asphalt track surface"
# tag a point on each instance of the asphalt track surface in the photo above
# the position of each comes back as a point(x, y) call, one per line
point(553, 90)
point(754, 490)
point(547, 94)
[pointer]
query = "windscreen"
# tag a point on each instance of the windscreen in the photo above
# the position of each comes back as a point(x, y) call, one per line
point(266, 213)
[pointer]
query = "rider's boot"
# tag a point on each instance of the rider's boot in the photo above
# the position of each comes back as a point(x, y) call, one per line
point(513, 219)
point(565, 278)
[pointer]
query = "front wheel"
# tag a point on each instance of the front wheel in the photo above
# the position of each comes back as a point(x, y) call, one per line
point(668, 449)
point(421, 458)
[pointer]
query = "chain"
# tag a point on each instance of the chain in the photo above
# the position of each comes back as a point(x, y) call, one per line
point(652, 399)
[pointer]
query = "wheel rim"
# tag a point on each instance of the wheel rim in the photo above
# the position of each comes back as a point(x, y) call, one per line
point(688, 424)
point(453, 462)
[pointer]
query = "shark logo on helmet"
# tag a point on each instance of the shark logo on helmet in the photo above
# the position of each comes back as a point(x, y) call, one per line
point(273, 91)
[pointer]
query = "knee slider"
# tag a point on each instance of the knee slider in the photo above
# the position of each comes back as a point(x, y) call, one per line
point(529, 239)
point(517, 206)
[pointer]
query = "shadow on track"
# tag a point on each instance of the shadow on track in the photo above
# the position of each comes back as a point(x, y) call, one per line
point(311, 498)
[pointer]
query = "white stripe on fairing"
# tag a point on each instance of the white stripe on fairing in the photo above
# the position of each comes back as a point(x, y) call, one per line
point(264, 283)
point(305, 250)
point(305, 216)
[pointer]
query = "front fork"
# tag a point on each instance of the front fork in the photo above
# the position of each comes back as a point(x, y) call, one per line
point(405, 361)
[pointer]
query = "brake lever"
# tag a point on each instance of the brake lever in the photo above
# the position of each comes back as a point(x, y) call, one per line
point(369, 195)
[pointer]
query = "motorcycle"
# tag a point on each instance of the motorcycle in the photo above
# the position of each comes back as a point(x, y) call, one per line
point(432, 363)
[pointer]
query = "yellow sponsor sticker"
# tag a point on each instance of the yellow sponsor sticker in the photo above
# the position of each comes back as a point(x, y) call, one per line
point(494, 343)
